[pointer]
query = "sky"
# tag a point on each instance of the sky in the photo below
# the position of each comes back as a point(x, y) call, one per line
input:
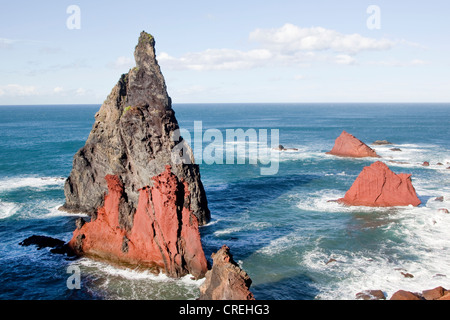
point(73, 52)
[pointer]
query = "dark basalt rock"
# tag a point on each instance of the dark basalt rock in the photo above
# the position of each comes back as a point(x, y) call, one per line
point(58, 246)
point(381, 142)
point(132, 139)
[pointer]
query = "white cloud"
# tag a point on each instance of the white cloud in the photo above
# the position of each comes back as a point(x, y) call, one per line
point(217, 59)
point(80, 92)
point(122, 63)
point(58, 89)
point(399, 63)
point(291, 38)
point(16, 90)
point(345, 59)
point(5, 43)
point(288, 45)
point(190, 90)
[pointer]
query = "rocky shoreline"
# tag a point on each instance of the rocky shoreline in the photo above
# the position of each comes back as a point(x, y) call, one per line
point(438, 293)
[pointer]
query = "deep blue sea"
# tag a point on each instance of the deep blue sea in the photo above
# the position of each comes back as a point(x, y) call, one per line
point(281, 228)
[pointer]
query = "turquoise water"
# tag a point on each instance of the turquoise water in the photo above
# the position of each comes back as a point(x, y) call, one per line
point(281, 228)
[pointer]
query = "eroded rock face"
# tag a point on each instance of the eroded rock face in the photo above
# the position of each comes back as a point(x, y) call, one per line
point(132, 140)
point(346, 145)
point(226, 280)
point(162, 233)
point(378, 186)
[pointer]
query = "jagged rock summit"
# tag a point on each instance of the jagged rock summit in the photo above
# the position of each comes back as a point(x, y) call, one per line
point(145, 206)
point(378, 186)
point(132, 138)
point(347, 145)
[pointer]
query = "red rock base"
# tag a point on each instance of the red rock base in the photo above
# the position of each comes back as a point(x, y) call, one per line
point(164, 235)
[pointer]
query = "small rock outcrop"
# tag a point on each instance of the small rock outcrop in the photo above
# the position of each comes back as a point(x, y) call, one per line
point(381, 143)
point(226, 280)
point(57, 246)
point(346, 145)
point(371, 295)
point(405, 295)
point(282, 148)
point(378, 186)
point(143, 192)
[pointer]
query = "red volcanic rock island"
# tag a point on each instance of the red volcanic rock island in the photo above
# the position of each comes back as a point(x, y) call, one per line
point(378, 186)
point(346, 145)
point(145, 203)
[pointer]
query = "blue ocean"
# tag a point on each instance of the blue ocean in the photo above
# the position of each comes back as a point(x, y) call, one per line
point(281, 228)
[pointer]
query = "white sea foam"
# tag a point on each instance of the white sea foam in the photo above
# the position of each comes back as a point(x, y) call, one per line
point(217, 187)
point(255, 151)
point(414, 155)
point(7, 209)
point(126, 283)
point(243, 227)
point(424, 237)
point(135, 274)
point(282, 244)
point(324, 201)
point(29, 182)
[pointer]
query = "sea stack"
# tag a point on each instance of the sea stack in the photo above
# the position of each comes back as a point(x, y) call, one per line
point(378, 186)
point(346, 145)
point(145, 204)
point(226, 280)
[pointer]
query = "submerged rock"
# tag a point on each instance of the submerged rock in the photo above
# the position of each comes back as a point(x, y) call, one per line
point(371, 295)
point(226, 280)
point(346, 145)
point(58, 246)
point(282, 148)
point(41, 242)
point(381, 142)
point(378, 186)
point(137, 179)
